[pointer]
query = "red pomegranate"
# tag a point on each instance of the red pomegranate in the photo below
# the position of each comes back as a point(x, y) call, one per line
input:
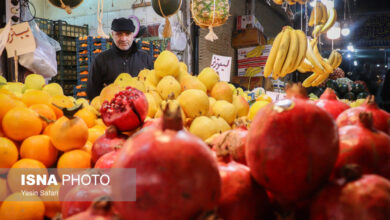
point(331, 104)
point(241, 197)
point(107, 160)
point(176, 174)
point(110, 141)
point(80, 197)
point(351, 116)
point(101, 209)
point(362, 144)
point(367, 197)
point(232, 142)
point(291, 149)
point(127, 110)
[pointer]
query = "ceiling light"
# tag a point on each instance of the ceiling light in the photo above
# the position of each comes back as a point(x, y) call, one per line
point(386, 66)
point(355, 63)
point(349, 55)
point(350, 47)
point(345, 31)
point(378, 65)
point(334, 32)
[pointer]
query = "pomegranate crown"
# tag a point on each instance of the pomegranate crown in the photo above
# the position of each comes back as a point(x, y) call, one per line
point(366, 119)
point(171, 118)
point(296, 90)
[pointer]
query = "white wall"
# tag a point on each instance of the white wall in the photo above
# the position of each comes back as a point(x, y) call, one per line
point(86, 13)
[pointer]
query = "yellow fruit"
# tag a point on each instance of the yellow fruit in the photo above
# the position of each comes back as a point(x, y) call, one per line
point(34, 81)
point(14, 87)
point(18, 207)
point(152, 106)
point(88, 116)
point(33, 97)
point(226, 110)
point(211, 103)
point(96, 103)
point(208, 77)
point(221, 124)
point(53, 89)
point(82, 101)
point(109, 92)
point(191, 82)
point(167, 64)
point(182, 75)
point(153, 78)
point(95, 132)
point(62, 101)
point(194, 103)
point(222, 91)
point(241, 105)
point(167, 86)
point(8, 154)
point(255, 108)
point(143, 74)
point(203, 127)
point(25, 166)
point(156, 96)
point(123, 77)
point(183, 66)
point(2, 80)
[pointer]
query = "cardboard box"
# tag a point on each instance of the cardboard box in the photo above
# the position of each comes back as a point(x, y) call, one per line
point(252, 57)
point(248, 21)
point(248, 38)
point(243, 53)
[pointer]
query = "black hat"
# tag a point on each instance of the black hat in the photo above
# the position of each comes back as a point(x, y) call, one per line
point(122, 24)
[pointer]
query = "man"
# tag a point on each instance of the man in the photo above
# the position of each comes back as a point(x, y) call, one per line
point(123, 57)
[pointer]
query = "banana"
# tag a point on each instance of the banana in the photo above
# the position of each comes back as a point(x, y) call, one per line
point(282, 52)
point(306, 65)
point(331, 58)
point(301, 70)
point(317, 30)
point(308, 81)
point(252, 71)
point(340, 59)
point(302, 2)
point(302, 48)
point(332, 14)
point(256, 52)
point(320, 79)
point(292, 54)
point(272, 55)
point(316, 14)
point(291, 2)
point(317, 67)
point(278, 2)
point(324, 13)
point(327, 67)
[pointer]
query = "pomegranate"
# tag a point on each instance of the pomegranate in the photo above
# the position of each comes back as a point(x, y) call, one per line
point(127, 110)
point(232, 142)
point(364, 145)
point(101, 209)
point(353, 197)
point(291, 149)
point(111, 140)
point(177, 175)
point(80, 197)
point(241, 197)
point(331, 104)
point(351, 116)
point(107, 160)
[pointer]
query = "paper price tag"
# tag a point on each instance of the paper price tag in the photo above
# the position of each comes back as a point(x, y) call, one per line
point(222, 65)
point(20, 40)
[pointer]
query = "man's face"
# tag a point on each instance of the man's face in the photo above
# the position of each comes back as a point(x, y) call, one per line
point(123, 39)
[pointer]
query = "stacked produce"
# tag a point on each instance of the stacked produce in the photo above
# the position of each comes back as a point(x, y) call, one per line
point(290, 2)
point(196, 152)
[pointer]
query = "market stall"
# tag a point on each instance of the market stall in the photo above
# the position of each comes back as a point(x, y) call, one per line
point(237, 110)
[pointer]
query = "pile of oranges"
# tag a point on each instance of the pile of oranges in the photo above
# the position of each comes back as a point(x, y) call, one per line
point(35, 133)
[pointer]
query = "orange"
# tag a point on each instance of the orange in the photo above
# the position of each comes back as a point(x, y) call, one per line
point(3, 189)
point(1, 132)
point(88, 116)
point(8, 154)
point(62, 101)
point(32, 97)
point(14, 178)
point(20, 123)
point(67, 134)
point(52, 203)
point(264, 97)
point(47, 129)
point(18, 207)
point(45, 111)
point(95, 132)
point(73, 159)
point(7, 103)
point(57, 111)
point(87, 147)
point(40, 148)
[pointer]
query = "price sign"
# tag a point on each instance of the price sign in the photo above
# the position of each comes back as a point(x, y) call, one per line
point(20, 40)
point(222, 65)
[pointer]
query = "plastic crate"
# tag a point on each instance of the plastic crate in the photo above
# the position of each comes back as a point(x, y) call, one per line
point(62, 28)
point(45, 25)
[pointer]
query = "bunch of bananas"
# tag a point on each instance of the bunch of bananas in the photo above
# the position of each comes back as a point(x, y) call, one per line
point(287, 53)
point(256, 52)
point(319, 15)
point(320, 67)
point(290, 2)
point(322, 28)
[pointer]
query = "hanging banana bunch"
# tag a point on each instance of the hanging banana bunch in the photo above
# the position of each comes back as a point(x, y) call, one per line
point(287, 53)
point(290, 2)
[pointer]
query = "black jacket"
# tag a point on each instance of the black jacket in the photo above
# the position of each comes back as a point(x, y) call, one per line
point(109, 64)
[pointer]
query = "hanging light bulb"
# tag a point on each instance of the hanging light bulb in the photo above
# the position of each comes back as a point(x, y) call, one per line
point(328, 3)
point(350, 47)
point(345, 29)
point(335, 32)
point(313, 3)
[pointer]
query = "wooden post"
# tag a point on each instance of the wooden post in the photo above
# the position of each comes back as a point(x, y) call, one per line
point(16, 62)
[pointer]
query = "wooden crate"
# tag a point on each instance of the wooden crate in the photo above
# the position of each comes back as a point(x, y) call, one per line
point(254, 82)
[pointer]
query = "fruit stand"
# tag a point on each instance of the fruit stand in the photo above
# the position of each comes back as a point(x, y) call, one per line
point(177, 145)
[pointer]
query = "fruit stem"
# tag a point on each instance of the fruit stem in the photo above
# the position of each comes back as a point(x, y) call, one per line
point(172, 119)
point(102, 205)
point(366, 120)
point(296, 90)
point(370, 100)
point(69, 112)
